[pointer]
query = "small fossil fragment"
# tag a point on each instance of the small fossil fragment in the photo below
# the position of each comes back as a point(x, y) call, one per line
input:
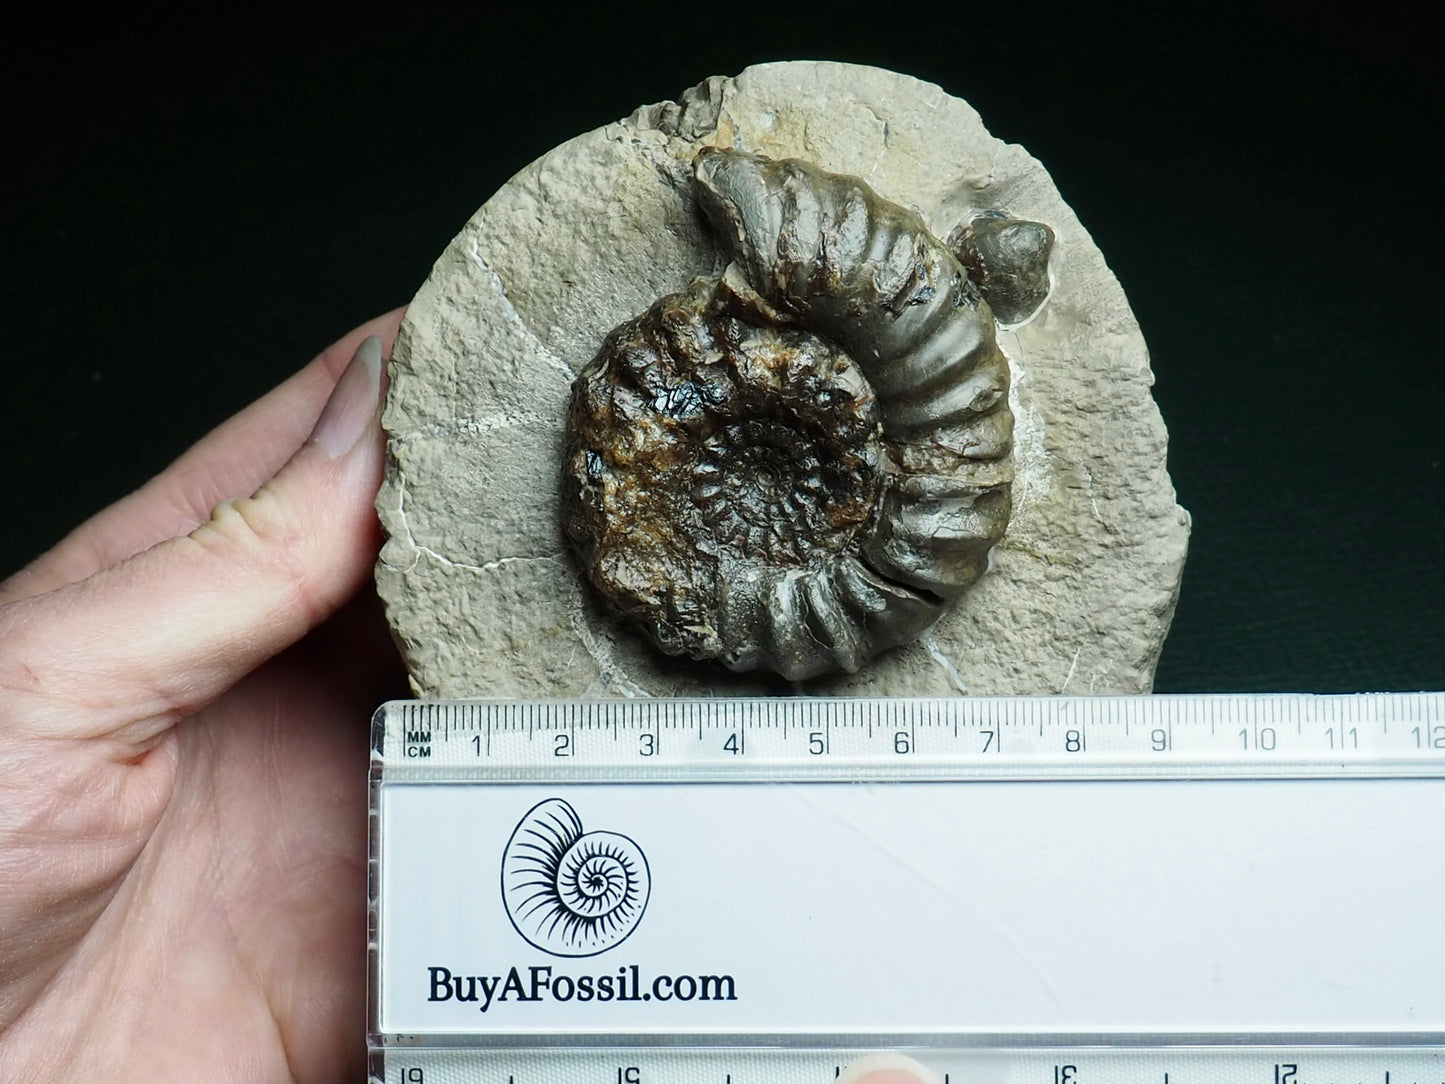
point(804, 460)
point(1009, 259)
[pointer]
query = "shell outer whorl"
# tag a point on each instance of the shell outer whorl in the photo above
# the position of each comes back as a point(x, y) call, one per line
point(803, 461)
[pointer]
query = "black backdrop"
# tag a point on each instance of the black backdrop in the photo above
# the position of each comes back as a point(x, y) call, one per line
point(196, 208)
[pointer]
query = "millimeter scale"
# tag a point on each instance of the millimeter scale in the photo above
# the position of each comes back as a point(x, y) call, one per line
point(1060, 890)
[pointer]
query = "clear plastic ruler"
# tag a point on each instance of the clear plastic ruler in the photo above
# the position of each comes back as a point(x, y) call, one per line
point(1166, 889)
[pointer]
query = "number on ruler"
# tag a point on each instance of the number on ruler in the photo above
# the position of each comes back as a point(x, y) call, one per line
point(1264, 741)
point(646, 745)
point(1349, 739)
point(1435, 740)
point(991, 742)
point(1073, 743)
point(562, 745)
point(817, 744)
point(1159, 739)
point(630, 1075)
point(734, 743)
point(901, 743)
point(1285, 1074)
point(1065, 1074)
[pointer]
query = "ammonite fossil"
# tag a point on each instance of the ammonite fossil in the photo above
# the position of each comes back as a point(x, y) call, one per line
point(802, 461)
point(569, 892)
point(752, 473)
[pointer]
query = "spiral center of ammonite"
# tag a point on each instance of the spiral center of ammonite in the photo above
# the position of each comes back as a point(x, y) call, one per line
point(766, 488)
point(598, 877)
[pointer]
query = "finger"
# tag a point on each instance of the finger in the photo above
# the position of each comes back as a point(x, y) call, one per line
point(130, 649)
point(234, 458)
point(886, 1069)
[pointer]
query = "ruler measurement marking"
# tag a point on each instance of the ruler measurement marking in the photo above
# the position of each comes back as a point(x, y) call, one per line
point(987, 1065)
point(1084, 737)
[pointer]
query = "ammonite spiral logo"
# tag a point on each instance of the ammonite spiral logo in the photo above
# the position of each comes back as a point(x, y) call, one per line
point(569, 892)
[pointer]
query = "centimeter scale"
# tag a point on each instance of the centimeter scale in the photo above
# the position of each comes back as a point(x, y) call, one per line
point(1059, 890)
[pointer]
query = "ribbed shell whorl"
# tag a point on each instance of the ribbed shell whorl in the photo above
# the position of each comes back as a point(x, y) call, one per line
point(803, 461)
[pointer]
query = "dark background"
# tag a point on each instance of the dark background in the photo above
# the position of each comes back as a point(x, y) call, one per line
point(196, 209)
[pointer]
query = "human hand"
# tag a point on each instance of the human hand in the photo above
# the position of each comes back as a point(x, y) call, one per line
point(186, 680)
point(183, 749)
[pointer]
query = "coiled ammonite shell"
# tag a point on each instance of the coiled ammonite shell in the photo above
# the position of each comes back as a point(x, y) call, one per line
point(804, 460)
point(569, 892)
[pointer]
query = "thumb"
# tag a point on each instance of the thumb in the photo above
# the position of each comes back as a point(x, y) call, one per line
point(886, 1069)
point(135, 647)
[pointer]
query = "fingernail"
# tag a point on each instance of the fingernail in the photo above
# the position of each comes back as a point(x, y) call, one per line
point(886, 1069)
point(352, 405)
